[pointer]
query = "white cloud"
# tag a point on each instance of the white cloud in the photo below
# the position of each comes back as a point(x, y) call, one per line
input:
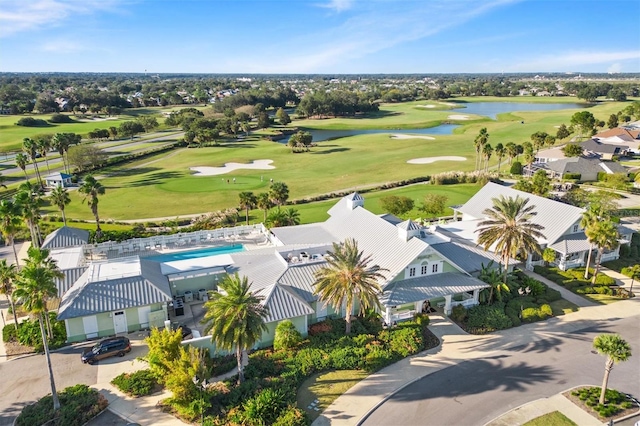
point(615, 68)
point(372, 26)
point(338, 5)
point(573, 61)
point(63, 46)
point(19, 15)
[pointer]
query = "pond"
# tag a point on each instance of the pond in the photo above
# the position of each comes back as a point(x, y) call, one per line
point(488, 109)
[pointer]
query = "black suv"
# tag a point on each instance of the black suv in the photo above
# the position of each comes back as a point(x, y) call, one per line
point(105, 349)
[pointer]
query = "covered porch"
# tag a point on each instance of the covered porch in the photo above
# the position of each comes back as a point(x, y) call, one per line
point(403, 299)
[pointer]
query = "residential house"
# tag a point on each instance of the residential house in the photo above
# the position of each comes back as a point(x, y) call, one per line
point(586, 167)
point(57, 179)
point(561, 222)
point(605, 151)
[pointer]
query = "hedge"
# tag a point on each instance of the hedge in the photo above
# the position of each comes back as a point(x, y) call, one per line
point(139, 383)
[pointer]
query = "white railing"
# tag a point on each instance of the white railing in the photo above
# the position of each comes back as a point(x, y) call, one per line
point(173, 241)
point(609, 256)
point(568, 264)
point(403, 316)
point(467, 303)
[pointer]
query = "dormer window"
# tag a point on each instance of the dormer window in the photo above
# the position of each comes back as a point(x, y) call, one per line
point(575, 228)
point(412, 272)
point(434, 268)
point(423, 270)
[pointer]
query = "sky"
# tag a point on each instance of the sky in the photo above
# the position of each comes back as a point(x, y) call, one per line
point(319, 36)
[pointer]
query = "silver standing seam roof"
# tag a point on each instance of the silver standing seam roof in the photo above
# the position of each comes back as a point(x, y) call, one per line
point(556, 217)
point(66, 237)
point(88, 297)
point(429, 287)
point(282, 303)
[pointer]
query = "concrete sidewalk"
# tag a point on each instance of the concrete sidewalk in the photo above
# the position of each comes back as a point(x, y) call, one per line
point(457, 346)
point(621, 280)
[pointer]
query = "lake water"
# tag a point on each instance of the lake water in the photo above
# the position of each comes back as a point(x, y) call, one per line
point(488, 109)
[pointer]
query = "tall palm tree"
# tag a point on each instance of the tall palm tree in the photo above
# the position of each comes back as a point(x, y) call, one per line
point(479, 142)
point(30, 147)
point(604, 235)
point(60, 198)
point(44, 146)
point(634, 274)
point(512, 151)
point(235, 317)
point(40, 258)
point(279, 193)
point(8, 273)
point(589, 217)
point(35, 284)
point(487, 150)
point(10, 221)
point(494, 278)
point(91, 188)
point(616, 349)
point(292, 216)
point(21, 161)
point(347, 278)
point(263, 201)
point(29, 202)
point(500, 151)
point(248, 201)
point(508, 225)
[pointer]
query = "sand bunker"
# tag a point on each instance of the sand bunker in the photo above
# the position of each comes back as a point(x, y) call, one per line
point(458, 117)
point(428, 160)
point(426, 106)
point(229, 167)
point(403, 136)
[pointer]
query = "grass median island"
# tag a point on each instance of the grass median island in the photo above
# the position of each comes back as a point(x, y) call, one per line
point(617, 404)
point(604, 291)
point(320, 390)
point(555, 418)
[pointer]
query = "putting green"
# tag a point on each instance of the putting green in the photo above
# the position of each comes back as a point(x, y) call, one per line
point(193, 184)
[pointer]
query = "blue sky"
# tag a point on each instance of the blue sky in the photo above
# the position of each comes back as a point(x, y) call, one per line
point(323, 36)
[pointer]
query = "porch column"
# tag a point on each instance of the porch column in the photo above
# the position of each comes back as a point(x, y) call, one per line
point(476, 295)
point(529, 264)
point(455, 215)
point(387, 315)
point(447, 304)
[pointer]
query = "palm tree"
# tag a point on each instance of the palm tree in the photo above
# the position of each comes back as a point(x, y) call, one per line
point(348, 278)
point(44, 145)
point(248, 201)
point(10, 221)
point(633, 273)
point(292, 216)
point(235, 317)
point(21, 161)
point(60, 198)
point(616, 349)
point(494, 278)
point(29, 203)
point(589, 217)
point(512, 151)
point(264, 202)
point(604, 235)
point(479, 142)
point(91, 188)
point(487, 150)
point(279, 193)
point(277, 218)
point(508, 226)
point(34, 286)
point(40, 258)
point(500, 151)
point(8, 273)
point(30, 147)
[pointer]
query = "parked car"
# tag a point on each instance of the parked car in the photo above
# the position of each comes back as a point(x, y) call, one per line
point(105, 349)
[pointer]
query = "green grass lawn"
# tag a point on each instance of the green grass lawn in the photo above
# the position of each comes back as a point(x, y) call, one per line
point(555, 418)
point(563, 307)
point(326, 388)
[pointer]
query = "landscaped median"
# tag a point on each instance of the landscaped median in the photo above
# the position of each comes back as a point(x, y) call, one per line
point(604, 291)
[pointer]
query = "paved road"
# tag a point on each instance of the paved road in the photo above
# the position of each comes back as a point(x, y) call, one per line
point(476, 391)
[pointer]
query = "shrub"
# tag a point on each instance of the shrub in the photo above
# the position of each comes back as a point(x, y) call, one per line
point(78, 404)
point(571, 176)
point(31, 122)
point(60, 118)
point(422, 320)
point(545, 311)
point(139, 383)
point(29, 333)
point(488, 318)
point(552, 295)
point(320, 327)
point(286, 336)
point(458, 313)
point(530, 315)
point(516, 168)
point(606, 280)
point(265, 407)
point(405, 340)
point(349, 358)
point(292, 416)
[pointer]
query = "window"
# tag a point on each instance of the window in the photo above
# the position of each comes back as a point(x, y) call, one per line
point(412, 272)
point(434, 268)
point(575, 228)
point(423, 270)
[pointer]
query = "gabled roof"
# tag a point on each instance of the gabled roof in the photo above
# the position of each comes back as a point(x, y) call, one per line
point(572, 243)
point(283, 303)
point(57, 176)
point(409, 225)
point(301, 277)
point(618, 131)
point(556, 217)
point(113, 286)
point(602, 148)
point(468, 257)
point(66, 237)
point(583, 165)
point(429, 287)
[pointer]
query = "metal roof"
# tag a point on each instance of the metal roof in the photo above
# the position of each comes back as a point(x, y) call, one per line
point(89, 297)
point(66, 237)
point(572, 243)
point(70, 277)
point(283, 303)
point(556, 217)
point(313, 233)
point(302, 277)
point(409, 225)
point(467, 257)
point(262, 267)
point(429, 287)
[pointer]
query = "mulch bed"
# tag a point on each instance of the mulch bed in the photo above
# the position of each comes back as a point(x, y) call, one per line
point(590, 410)
point(430, 339)
point(15, 349)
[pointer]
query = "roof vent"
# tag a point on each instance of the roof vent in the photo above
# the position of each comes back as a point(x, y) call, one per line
point(354, 200)
point(408, 229)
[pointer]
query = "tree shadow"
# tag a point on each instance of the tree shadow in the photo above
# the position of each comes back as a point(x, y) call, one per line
point(331, 151)
point(155, 178)
point(131, 172)
point(517, 377)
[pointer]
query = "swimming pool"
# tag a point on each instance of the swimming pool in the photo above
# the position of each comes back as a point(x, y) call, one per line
point(195, 254)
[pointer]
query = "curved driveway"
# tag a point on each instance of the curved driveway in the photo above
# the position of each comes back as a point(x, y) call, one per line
point(475, 391)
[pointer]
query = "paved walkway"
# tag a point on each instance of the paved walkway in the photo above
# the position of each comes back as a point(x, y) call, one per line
point(566, 294)
point(354, 405)
point(621, 280)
